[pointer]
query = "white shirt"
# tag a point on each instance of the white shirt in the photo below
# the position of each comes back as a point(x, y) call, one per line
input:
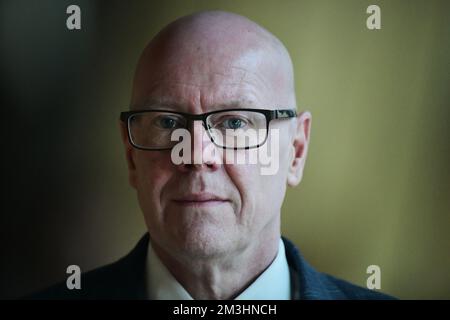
point(273, 284)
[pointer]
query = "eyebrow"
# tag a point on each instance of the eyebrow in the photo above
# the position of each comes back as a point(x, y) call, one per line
point(168, 103)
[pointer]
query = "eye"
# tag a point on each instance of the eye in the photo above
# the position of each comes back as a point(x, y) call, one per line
point(233, 123)
point(168, 122)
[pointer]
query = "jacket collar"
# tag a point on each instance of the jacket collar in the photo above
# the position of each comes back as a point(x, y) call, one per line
point(306, 283)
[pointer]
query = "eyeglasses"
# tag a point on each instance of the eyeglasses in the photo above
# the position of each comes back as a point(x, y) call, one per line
point(227, 129)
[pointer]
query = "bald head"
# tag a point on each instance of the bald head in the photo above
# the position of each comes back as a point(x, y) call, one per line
point(210, 217)
point(220, 53)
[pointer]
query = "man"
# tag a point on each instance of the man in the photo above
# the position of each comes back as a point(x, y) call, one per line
point(213, 225)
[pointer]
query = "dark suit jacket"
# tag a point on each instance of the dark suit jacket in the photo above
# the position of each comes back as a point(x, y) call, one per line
point(125, 279)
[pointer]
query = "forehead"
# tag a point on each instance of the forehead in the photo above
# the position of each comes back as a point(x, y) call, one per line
point(208, 81)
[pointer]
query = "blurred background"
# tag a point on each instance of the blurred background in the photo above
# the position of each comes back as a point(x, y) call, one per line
point(376, 188)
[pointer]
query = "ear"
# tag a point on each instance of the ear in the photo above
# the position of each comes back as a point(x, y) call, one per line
point(299, 148)
point(129, 152)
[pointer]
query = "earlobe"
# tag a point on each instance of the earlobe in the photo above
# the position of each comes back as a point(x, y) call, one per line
point(293, 178)
point(299, 149)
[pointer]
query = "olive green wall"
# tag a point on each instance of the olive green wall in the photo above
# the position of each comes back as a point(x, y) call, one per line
point(376, 185)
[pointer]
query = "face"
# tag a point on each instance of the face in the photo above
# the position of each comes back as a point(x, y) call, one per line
point(211, 209)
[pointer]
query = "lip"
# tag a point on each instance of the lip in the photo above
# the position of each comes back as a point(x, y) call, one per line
point(200, 199)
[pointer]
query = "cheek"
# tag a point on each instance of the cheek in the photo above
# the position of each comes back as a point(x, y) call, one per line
point(261, 194)
point(242, 177)
point(261, 197)
point(277, 154)
point(256, 193)
point(153, 171)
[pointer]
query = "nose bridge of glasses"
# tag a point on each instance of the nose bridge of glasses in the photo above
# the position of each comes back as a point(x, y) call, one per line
point(191, 119)
point(200, 142)
point(199, 132)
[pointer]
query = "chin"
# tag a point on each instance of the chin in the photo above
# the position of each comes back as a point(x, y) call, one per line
point(205, 242)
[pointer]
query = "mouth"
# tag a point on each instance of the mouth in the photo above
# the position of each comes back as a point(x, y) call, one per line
point(200, 200)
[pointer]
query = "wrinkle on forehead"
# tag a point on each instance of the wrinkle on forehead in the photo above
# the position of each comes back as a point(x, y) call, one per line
point(202, 48)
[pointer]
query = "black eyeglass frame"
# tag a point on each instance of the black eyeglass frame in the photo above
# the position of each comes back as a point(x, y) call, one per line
point(268, 113)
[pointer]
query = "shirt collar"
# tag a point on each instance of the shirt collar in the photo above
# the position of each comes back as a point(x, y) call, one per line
point(273, 284)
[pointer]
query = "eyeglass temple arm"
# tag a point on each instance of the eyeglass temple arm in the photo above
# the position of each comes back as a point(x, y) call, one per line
point(285, 113)
point(124, 115)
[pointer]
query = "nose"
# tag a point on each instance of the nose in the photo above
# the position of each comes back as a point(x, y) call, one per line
point(204, 154)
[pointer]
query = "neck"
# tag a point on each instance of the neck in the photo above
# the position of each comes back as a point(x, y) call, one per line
point(226, 277)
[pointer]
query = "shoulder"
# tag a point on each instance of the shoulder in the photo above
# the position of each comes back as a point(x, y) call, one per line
point(342, 289)
point(309, 283)
point(123, 279)
point(94, 284)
